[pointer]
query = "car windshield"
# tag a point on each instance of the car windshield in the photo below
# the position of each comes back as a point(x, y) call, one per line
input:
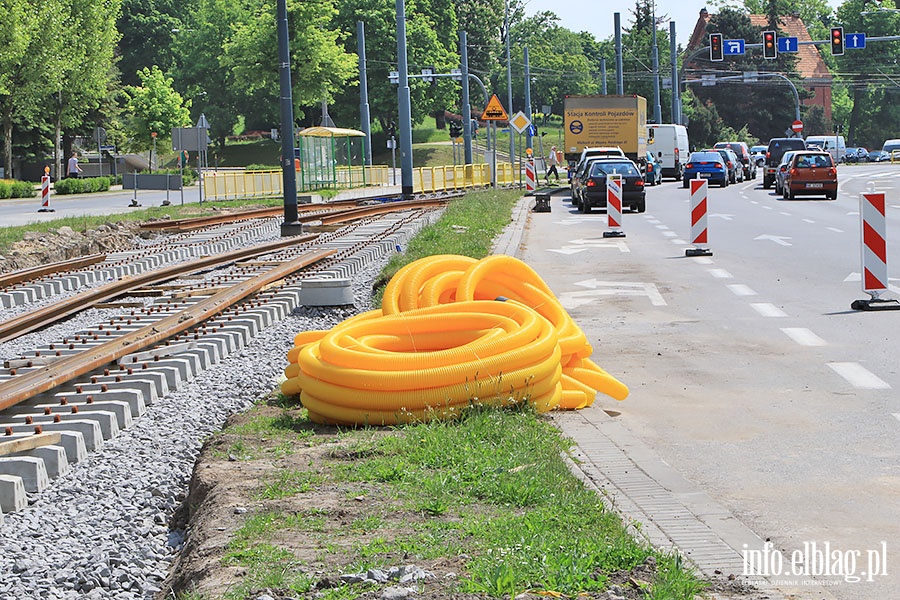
point(756, 149)
point(706, 157)
point(808, 161)
point(613, 168)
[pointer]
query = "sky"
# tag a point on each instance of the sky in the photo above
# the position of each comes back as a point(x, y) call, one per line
point(584, 15)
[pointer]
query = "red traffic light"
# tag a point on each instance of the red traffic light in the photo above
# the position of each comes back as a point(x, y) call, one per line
point(770, 49)
point(837, 41)
point(715, 47)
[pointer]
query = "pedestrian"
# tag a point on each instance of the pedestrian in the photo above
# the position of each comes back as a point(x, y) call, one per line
point(552, 162)
point(73, 170)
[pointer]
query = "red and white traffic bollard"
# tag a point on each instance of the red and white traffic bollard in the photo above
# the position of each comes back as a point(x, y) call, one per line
point(614, 206)
point(873, 247)
point(530, 184)
point(699, 233)
point(45, 192)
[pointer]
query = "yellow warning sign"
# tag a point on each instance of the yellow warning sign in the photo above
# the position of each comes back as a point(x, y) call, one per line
point(494, 111)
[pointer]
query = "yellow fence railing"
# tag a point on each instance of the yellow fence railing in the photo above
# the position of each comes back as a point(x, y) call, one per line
point(235, 184)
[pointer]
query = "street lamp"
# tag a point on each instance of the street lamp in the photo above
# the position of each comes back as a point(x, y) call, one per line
point(880, 10)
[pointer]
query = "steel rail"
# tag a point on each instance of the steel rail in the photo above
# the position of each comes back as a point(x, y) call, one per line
point(22, 387)
point(372, 210)
point(33, 273)
point(41, 317)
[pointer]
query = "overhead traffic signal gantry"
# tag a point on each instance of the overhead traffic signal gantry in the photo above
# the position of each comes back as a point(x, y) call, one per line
point(716, 51)
point(837, 41)
point(770, 48)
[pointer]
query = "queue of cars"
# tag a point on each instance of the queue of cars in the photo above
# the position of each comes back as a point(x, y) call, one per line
point(792, 166)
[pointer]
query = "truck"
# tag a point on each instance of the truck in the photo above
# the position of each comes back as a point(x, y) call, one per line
point(607, 121)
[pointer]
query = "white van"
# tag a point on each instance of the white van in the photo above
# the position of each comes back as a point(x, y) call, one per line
point(891, 146)
point(833, 144)
point(669, 144)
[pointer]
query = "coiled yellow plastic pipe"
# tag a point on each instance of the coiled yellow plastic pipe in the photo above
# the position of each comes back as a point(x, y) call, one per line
point(441, 342)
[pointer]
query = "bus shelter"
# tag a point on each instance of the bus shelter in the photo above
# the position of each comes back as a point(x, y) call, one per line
point(330, 157)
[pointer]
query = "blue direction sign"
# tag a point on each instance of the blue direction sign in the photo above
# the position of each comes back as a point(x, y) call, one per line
point(733, 47)
point(855, 41)
point(787, 44)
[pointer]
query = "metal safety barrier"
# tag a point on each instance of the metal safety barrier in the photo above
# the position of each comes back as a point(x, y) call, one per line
point(238, 184)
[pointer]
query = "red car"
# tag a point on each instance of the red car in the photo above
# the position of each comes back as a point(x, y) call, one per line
point(811, 174)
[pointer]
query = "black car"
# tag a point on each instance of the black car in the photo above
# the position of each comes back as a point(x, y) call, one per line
point(593, 184)
point(777, 148)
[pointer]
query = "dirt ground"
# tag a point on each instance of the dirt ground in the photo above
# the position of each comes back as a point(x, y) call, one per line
point(224, 490)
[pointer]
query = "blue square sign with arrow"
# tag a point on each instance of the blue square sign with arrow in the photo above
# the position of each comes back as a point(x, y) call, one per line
point(733, 47)
point(855, 41)
point(787, 44)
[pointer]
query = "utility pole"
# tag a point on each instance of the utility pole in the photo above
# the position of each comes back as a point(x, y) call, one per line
point(657, 108)
point(512, 142)
point(466, 104)
point(620, 82)
point(291, 225)
point(405, 108)
point(676, 87)
point(528, 141)
point(364, 92)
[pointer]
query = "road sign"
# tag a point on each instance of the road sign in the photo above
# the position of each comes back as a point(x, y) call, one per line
point(855, 41)
point(797, 126)
point(532, 130)
point(733, 47)
point(788, 44)
point(494, 111)
point(519, 122)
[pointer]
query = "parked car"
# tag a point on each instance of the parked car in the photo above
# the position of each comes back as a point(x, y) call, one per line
point(854, 155)
point(652, 170)
point(758, 154)
point(776, 149)
point(593, 184)
point(811, 173)
point(878, 156)
point(707, 165)
point(743, 154)
point(782, 169)
point(735, 169)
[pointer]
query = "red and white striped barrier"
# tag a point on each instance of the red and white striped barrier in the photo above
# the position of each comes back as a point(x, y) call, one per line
point(873, 246)
point(699, 232)
point(45, 194)
point(529, 175)
point(874, 243)
point(613, 206)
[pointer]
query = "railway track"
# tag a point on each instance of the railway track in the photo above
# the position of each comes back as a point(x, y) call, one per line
point(163, 325)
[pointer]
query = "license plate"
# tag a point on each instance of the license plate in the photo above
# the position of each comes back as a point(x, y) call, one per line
point(705, 174)
point(814, 185)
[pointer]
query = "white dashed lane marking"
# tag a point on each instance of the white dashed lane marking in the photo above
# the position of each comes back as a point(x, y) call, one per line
point(768, 310)
point(803, 336)
point(739, 289)
point(858, 376)
point(720, 273)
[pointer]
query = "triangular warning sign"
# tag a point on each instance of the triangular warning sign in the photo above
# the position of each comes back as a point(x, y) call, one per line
point(494, 111)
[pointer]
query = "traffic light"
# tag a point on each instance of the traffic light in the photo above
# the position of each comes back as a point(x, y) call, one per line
point(392, 129)
point(770, 49)
point(455, 129)
point(715, 47)
point(837, 41)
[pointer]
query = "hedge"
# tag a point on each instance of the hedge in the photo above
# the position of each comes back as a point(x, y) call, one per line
point(82, 186)
point(10, 188)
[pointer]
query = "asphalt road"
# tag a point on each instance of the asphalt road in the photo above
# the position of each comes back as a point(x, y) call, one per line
point(749, 372)
point(26, 211)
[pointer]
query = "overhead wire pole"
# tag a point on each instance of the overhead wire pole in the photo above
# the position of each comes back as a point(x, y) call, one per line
point(654, 55)
point(291, 225)
point(620, 81)
point(509, 96)
point(673, 58)
point(404, 102)
point(466, 103)
point(364, 117)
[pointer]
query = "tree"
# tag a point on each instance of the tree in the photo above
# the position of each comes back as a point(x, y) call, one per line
point(28, 35)
point(155, 107)
point(320, 66)
point(148, 29)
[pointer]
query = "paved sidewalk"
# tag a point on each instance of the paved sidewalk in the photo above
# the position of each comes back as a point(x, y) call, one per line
point(652, 497)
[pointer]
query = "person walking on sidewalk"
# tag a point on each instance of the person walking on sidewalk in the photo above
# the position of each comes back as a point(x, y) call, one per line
point(552, 163)
point(73, 170)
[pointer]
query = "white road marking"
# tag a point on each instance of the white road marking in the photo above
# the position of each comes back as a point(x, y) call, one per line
point(703, 260)
point(897, 415)
point(739, 289)
point(653, 221)
point(597, 289)
point(669, 233)
point(781, 240)
point(768, 310)
point(858, 376)
point(679, 242)
point(720, 273)
point(662, 226)
point(808, 221)
point(768, 207)
point(803, 336)
point(835, 229)
point(787, 214)
point(567, 250)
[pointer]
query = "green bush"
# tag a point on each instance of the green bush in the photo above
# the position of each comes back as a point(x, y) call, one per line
point(10, 188)
point(82, 186)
